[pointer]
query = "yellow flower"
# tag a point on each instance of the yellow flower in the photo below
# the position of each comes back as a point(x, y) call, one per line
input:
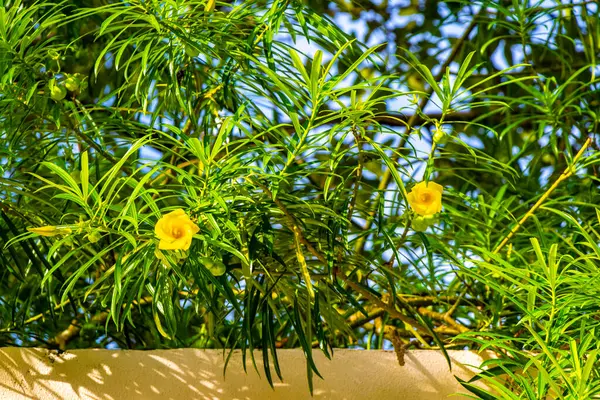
point(175, 231)
point(45, 230)
point(426, 198)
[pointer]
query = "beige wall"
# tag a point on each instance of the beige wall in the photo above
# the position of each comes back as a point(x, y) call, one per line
point(198, 374)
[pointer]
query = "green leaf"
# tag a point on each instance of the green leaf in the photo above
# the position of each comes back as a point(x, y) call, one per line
point(85, 175)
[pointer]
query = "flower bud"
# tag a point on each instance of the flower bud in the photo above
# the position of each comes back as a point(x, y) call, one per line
point(217, 268)
point(45, 230)
point(421, 223)
point(94, 236)
point(72, 83)
point(440, 137)
point(50, 230)
point(57, 93)
point(548, 159)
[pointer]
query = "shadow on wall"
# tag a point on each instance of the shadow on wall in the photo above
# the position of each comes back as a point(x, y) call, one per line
point(198, 374)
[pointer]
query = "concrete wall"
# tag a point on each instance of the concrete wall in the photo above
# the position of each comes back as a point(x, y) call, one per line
point(198, 374)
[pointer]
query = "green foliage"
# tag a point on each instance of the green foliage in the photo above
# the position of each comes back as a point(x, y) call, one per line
point(292, 145)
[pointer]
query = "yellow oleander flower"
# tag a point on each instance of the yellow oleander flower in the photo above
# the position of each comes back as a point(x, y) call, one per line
point(175, 231)
point(426, 198)
point(45, 230)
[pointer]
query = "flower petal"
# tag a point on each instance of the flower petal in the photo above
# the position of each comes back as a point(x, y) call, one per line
point(176, 213)
point(159, 229)
point(435, 186)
